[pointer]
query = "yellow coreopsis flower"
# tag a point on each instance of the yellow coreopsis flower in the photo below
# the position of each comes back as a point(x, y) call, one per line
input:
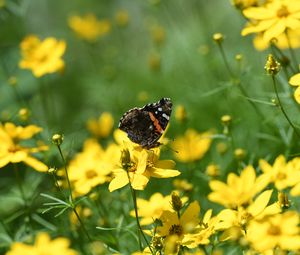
point(138, 165)
point(93, 166)
point(12, 150)
point(42, 57)
point(152, 209)
point(43, 245)
point(240, 218)
point(172, 225)
point(192, 146)
point(281, 41)
point(202, 232)
point(239, 190)
point(279, 230)
point(273, 19)
point(102, 126)
point(283, 174)
point(295, 81)
point(89, 27)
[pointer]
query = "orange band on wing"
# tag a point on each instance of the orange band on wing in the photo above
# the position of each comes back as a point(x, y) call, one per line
point(156, 123)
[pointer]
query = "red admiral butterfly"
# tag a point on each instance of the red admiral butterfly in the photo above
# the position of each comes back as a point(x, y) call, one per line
point(146, 125)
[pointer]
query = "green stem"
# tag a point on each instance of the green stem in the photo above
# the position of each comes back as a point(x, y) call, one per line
point(282, 109)
point(66, 171)
point(133, 194)
point(81, 224)
point(71, 196)
point(225, 60)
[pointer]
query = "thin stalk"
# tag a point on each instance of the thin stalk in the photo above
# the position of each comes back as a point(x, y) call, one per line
point(282, 109)
point(66, 171)
point(133, 194)
point(71, 196)
point(225, 60)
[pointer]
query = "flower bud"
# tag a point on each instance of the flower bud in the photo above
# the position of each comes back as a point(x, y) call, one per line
point(218, 37)
point(57, 139)
point(272, 66)
point(239, 154)
point(176, 202)
point(283, 200)
point(24, 114)
point(125, 159)
point(180, 113)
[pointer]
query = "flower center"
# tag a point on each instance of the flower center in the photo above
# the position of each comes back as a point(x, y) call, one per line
point(281, 176)
point(274, 230)
point(283, 12)
point(176, 230)
point(90, 174)
point(245, 217)
point(13, 149)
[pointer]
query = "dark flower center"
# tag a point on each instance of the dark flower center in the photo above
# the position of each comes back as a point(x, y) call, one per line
point(283, 12)
point(90, 174)
point(176, 230)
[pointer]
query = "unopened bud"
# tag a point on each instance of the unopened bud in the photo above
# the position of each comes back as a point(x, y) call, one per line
point(218, 37)
point(239, 154)
point(57, 139)
point(283, 200)
point(176, 202)
point(272, 66)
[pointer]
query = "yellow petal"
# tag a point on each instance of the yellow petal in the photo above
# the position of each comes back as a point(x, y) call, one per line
point(274, 31)
point(260, 203)
point(119, 181)
point(190, 217)
point(35, 164)
point(297, 95)
point(139, 182)
point(258, 13)
point(295, 80)
point(163, 173)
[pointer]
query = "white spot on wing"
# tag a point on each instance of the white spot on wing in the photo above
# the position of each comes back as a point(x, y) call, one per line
point(165, 116)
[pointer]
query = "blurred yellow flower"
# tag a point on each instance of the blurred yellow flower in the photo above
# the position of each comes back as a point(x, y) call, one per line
point(152, 209)
point(239, 190)
point(283, 174)
point(43, 245)
point(2, 3)
point(42, 57)
point(158, 34)
point(281, 41)
point(213, 170)
point(295, 81)
point(93, 166)
point(180, 113)
point(88, 27)
point(179, 226)
point(11, 149)
point(182, 185)
point(122, 18)
point(240, 218)
point(202, 233)
point(273, 19)
point(242, 4)
point(279, 230)
point(102, 126)
point(192, 146)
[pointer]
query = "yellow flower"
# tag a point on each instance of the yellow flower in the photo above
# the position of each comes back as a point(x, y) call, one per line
point(273, 19)
point(281, 41)
point(240, 218)
point(192, 146)
point(43, 245)
point(143, 165)
point(89, 27)
point(153, 209)
point(280, 231)
point(158, 34)
point(93, 166)
point(242, 4)
point(122, 18)
point(283, 174)
point(239, 190)
point(202, 232)
point(180, 113)
point(295, 81)
point(42, 57)
point(102, 126)
point(11, 150)
point(182, 185)
point(179, 226)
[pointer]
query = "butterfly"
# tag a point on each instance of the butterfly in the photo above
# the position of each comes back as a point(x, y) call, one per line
point(146, 125)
